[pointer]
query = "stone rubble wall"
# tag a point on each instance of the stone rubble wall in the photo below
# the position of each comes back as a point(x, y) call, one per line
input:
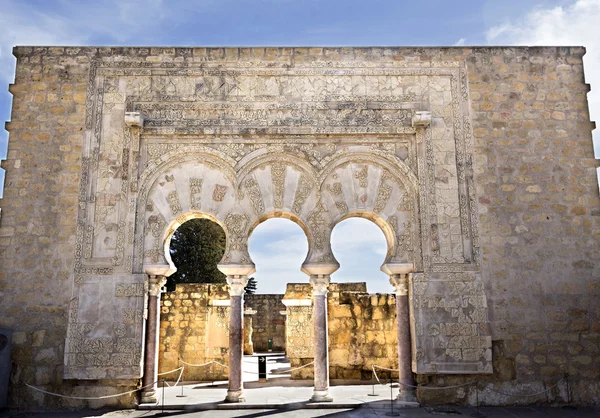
point(268, 322)
point(362, 331)
point(195, 330)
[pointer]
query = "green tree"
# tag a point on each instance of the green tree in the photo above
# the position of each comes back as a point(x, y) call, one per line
point(196, 248)
point(251, 286)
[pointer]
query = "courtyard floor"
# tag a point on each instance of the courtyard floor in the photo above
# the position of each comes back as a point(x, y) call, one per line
point(281, 397)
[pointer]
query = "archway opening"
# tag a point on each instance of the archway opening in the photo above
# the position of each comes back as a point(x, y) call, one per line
point(278, 247)
point(360, 247)
point(194, 315)
point(196, 247)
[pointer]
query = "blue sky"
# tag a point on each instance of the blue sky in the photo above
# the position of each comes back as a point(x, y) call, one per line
point(295, 23)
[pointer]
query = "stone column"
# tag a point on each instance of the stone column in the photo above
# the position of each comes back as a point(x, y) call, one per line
point(149, 381)
point(319, 279)
point(321, 341)
point(236, 283)
point(399, 276)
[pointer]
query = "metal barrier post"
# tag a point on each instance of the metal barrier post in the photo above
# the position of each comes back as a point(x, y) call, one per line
point(163, 397)
point(373, 384)
point(392, 413)
point(477, 414)
point(182, 395)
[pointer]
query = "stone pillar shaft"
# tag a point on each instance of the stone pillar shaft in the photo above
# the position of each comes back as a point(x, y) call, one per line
point(404, 351)
point(406, 379)
point(321, 340)
point(235, 393)
point(149, 381)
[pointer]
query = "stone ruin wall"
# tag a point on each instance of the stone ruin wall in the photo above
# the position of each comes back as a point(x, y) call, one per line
point(537, 204)
point(194, 327)
point(362, 331)
point(267, 322)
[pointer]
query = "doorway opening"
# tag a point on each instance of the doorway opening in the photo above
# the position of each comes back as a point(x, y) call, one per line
point(278, 247)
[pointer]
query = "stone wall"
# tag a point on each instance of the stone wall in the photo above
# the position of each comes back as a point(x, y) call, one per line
point(194, 323)
point(38, 227)
point(534, 255)
point(540, 217)
point(268, 322)
point(362, 330)
point(194, 328)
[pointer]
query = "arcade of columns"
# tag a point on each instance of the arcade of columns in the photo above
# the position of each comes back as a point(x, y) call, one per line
point(237, 279)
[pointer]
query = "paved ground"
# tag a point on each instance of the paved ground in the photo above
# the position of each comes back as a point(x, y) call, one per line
point(283, 398)
point(372, 410)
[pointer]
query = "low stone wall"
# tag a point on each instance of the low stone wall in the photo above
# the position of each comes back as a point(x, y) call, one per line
point(268, 322)
point(362, 330)
point(194, 327)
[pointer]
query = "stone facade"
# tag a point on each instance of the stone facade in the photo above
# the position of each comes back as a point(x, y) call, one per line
point(477, 164)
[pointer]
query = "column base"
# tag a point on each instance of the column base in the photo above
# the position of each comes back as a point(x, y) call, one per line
point(321, 396)
point(235, 396)
point(149, 397)
point(407, 396)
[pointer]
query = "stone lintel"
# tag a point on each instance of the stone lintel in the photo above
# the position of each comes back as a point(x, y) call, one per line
point(321, 269)
point(134, 119)
point(421, 119)
point(297, 302)
point(159, 270)
point(219, 302)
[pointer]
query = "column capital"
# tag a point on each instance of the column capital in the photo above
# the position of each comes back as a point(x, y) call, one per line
point(155, 284)
point(400, 283)
point(237, 285)
point(320, 284)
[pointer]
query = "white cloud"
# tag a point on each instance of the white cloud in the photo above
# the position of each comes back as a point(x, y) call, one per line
point(573, 25)
point(67, 22)
point(460, 42)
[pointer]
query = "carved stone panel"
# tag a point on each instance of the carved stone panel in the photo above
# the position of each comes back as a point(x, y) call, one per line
point(299, 328)
point(105, 334)
point(318, 141)
point(217, 337)
point(450, 325)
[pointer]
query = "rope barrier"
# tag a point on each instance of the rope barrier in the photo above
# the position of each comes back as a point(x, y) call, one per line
point(170, 371)
point(525, 395)
point(373, 369)
point(85, 398)
point(419, 387)
point(196, 365)
point(294, 369)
